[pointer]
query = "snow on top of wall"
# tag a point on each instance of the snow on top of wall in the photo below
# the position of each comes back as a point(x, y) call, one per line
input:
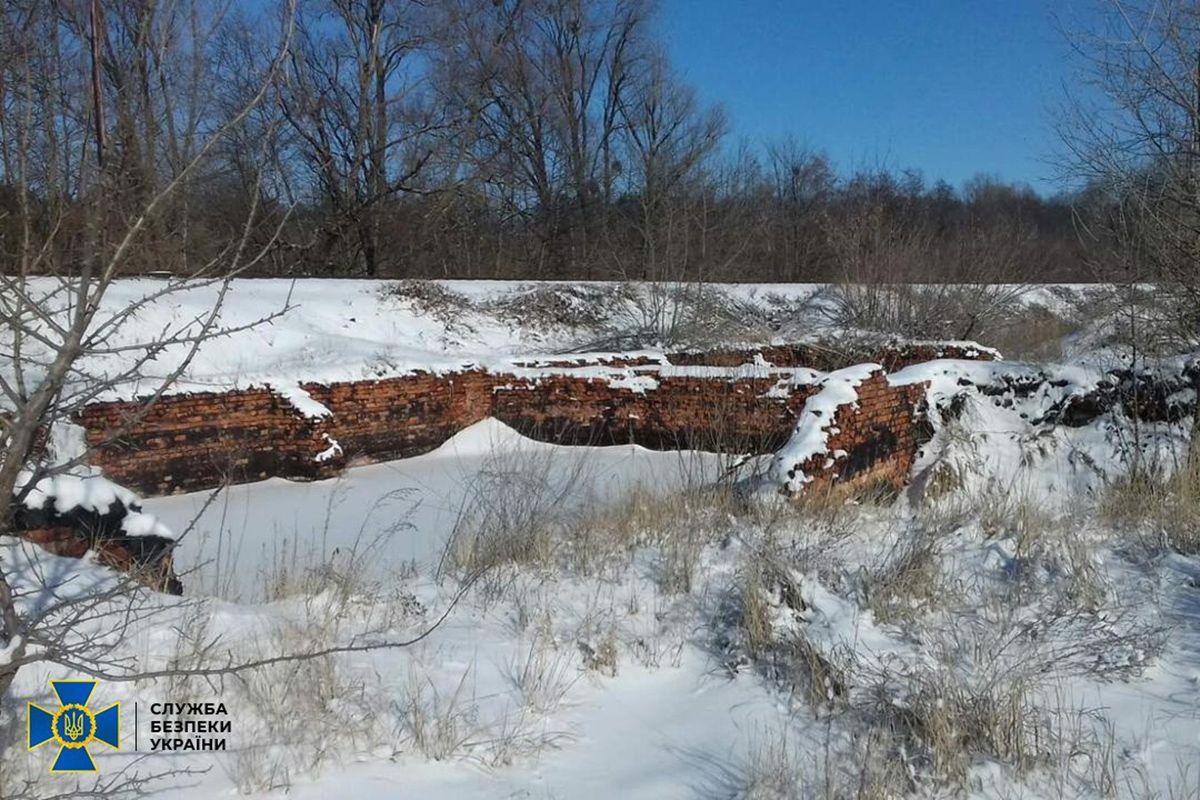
point(816, 422)
point(299, 399)
point(968, 346)
point(646, 378)
point(638, 384)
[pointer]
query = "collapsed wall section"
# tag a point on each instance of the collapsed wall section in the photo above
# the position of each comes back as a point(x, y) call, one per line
point(857, 429)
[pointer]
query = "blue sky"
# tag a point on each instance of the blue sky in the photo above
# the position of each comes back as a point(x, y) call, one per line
point(950, 87)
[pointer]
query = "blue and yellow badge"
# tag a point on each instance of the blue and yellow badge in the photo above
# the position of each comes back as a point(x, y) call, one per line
point(74, 726)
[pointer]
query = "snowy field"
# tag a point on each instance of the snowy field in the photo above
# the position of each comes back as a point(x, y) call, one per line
point(615, 622)
point(283, 332)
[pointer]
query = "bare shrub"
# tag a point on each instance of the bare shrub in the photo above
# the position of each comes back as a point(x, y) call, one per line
point(432, 299)
point(1035, 333)
point(427, 297)
point(681, 315)
point(570, 305)
point(927, 311)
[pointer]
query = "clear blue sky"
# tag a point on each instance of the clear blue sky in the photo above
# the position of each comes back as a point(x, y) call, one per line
point(950, 87)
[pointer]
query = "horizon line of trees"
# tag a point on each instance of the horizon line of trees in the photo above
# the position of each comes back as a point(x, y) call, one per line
point(452, 139)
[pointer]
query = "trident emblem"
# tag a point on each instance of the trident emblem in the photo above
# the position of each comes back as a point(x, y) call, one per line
point(74, 726)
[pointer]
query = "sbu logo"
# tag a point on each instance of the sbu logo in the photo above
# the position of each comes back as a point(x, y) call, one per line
point(74, 726)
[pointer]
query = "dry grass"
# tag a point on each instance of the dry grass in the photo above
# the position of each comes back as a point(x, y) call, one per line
point(543, 673)
point(518, 509)
point(775, 768)
point(850, 766)
point(290, 733)
point(444, 725)
point(1164, 511)
point(939, 723)
point(525, 511)
point(435, 724)
point(910, 582)
point(770, 591)
point(992, 650)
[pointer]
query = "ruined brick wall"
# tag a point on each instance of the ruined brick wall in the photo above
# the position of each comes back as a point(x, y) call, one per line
point(186, 443)
point(401, 417)
point(736, 414)
point(200, 441)
point(191, 442)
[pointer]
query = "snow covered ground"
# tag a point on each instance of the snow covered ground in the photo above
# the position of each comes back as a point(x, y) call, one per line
point(641, 631)
point(400, 513)
point(639, 671)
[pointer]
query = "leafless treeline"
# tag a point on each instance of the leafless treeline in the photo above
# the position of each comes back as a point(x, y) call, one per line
point(450, 138)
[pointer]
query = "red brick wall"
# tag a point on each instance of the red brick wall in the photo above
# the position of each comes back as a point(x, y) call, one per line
point(880, 435)
point(402, 417)
point(681, 413)
point(200, 441)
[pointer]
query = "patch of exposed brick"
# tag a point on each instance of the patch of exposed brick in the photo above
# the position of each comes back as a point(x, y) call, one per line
point(148, 559)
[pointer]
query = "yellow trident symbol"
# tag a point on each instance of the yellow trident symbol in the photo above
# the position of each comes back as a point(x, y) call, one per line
point(73, 725)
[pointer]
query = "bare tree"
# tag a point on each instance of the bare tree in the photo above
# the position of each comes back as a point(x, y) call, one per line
point(362, 127)
point(554, 73)
point(65, 342)
point(1135, 136)
point(666, 136)
point(1135, 140)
